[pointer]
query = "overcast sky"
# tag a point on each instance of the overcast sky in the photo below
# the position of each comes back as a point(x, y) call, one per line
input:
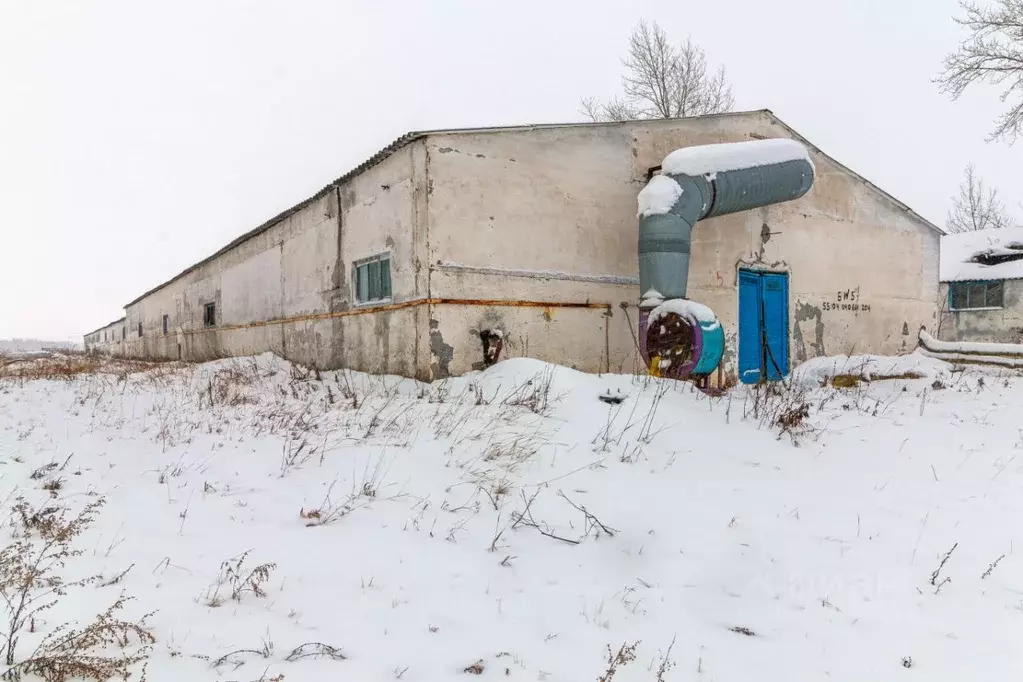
point(138, 137)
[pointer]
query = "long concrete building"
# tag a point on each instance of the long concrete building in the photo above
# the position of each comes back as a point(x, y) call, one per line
point(107, 339)
point(450, 249)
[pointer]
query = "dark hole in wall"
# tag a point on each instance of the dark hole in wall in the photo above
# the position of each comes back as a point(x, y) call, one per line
point(493, 342)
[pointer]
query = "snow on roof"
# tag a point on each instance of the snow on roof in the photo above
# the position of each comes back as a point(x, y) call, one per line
point(658, 196)
point(716, 158)
point(983, 254)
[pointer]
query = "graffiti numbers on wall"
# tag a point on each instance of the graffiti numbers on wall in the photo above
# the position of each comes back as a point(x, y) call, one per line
point(848, 300)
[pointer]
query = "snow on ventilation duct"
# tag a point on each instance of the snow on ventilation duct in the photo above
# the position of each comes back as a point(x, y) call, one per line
point(659, 195)
point(716, 158)
point(697, 183)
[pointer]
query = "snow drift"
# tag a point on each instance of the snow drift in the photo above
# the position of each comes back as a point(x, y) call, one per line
point(513, 525)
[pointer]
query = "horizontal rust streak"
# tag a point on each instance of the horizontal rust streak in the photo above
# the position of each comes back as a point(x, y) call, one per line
point(519, 304)
point(399, 306)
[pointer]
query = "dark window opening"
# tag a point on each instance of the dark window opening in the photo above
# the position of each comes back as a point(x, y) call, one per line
point(140, 330)
point(166, 324)
point(975, 295)
point(373, 279)
point(209, 315)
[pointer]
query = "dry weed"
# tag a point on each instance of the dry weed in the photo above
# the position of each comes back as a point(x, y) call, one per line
point(236, 580)
point(31, 582)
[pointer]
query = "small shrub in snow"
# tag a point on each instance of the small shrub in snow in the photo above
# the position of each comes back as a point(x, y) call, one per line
point(235, 580)
point(335, 508)
point(535, 393)
point(666, 663)
point(742, 630)
point(626, 655)
point(476, 668)
point(31, 583)
point(68, 653)
point(227, 388)
point(53, 486)
point(781, 406)
point(296, 453)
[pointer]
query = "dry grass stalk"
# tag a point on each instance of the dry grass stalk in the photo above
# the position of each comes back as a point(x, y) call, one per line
point(236, 580)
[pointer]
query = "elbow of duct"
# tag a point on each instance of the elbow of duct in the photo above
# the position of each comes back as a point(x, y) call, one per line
point(670, 205)
point(673, 202)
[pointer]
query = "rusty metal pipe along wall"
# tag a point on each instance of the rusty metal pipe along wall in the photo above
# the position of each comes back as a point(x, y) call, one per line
point(387, 307)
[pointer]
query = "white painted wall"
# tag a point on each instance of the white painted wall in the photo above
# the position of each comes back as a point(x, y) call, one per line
point(543, 220)
point(565, 199)
point(288, 289)
point(106, 340)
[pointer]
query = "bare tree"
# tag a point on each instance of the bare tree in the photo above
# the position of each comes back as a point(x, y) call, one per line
point(993, 53)
point(663, 80)
point(977, 207)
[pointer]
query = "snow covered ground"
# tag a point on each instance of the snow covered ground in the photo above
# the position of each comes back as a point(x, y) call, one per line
point(514, 524)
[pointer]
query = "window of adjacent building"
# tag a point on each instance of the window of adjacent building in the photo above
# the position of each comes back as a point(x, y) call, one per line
point(166, 324)
point(209, 315)
point(124, 333)
point(373, 279)
point(974, 295)
point(140, 330)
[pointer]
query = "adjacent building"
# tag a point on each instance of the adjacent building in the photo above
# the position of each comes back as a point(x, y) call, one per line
point(982, 286)
point(107, 339)
point(450, 249)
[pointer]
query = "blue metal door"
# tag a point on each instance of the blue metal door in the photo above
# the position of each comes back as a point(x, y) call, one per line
point(749, 327)
point(763, 326)
point(774, 291)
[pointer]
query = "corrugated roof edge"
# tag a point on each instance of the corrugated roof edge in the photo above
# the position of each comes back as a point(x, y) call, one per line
point(409, 137)
point(109, 324)
point(377, 158)
point(371, 161)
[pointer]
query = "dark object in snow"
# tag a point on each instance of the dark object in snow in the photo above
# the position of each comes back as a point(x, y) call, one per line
point(743, 631)
point(907, 662)
point(613, 398)
point(937, 385)
point(1010, 252)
